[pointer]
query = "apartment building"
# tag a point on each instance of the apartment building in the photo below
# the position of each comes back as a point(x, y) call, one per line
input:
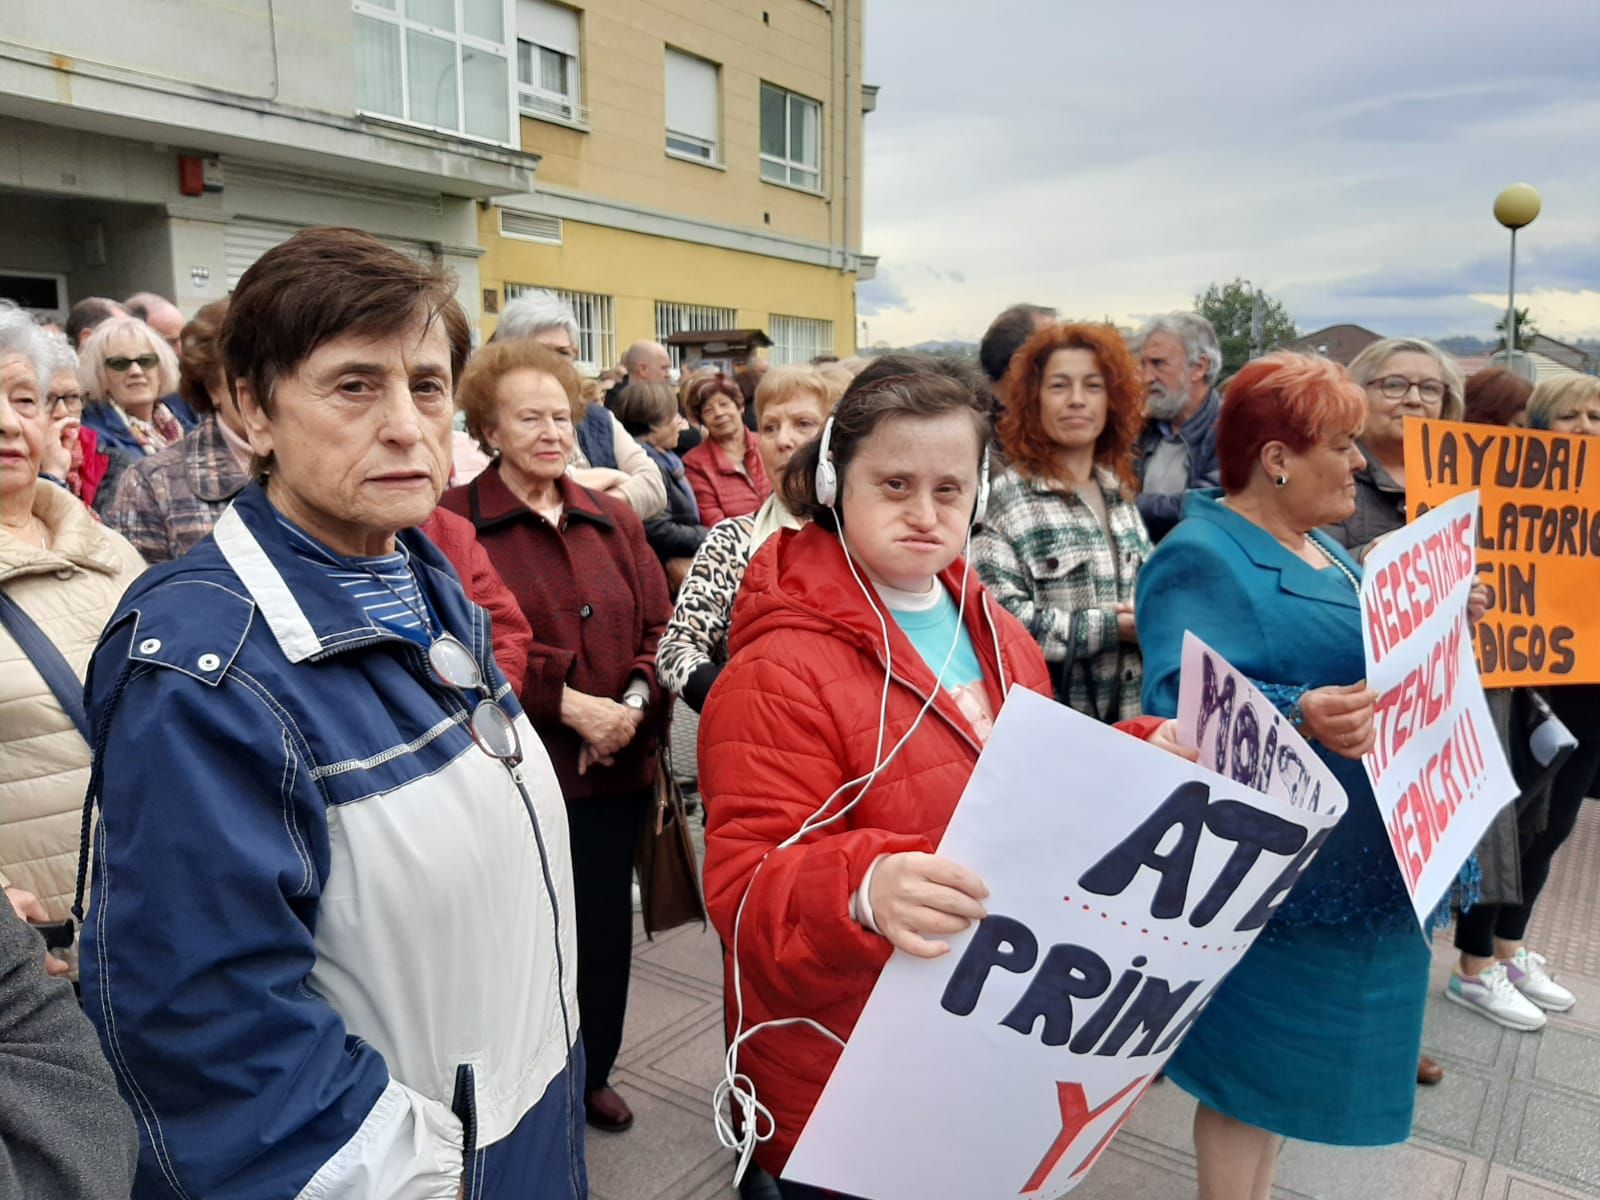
point(166, 144)
point(668, 166)
point(699, 170)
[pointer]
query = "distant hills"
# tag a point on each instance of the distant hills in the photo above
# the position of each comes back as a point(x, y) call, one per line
point(1460, 345)
point(1468, 346)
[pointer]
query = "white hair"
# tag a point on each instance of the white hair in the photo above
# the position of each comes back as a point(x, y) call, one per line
point(94, 375)
point(532, 313)
point(1195, 332)
point(19, 335)
point(63, 358)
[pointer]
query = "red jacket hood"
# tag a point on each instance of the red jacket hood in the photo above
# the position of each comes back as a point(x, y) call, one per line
point(800, 579)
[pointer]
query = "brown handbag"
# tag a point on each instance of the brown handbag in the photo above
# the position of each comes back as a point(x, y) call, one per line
point(669, 876)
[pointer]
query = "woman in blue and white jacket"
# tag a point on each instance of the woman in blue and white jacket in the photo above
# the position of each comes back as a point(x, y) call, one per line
point(330, 947)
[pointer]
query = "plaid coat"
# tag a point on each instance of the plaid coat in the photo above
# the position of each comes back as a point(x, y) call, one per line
point(167, 502)
point(1046, 559)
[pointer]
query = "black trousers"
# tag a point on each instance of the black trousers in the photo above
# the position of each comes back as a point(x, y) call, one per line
point(603, 832)
point(1578, 706)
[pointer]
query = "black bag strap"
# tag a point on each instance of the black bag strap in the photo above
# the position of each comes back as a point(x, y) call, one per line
point(47, 660)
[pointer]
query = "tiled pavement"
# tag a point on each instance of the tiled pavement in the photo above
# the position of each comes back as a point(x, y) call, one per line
point(1516, 1118)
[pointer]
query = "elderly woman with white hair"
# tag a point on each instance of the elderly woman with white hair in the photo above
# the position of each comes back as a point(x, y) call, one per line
point(61, 576)
point(1181, 362)
point(1402, 378)
point(605, 457)
point(125, 369)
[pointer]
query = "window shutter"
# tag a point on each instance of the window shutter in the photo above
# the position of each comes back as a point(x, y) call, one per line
point(553, 26)
point(691, 96)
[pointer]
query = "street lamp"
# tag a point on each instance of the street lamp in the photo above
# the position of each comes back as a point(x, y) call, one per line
point(1514, 208)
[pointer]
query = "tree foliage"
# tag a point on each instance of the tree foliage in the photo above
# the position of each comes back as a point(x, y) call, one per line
point(1526, 330)
point(1229, 307)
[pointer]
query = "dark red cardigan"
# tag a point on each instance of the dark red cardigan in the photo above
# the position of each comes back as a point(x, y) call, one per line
point(595, 594)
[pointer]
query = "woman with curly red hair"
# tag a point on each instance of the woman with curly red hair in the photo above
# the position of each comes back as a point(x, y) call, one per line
point(1063, 542)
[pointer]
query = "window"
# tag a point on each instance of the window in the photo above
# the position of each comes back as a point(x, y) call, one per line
point(547, 61)
point(439, 63)
point(791, 139)
point(799, 339)
point(674, 318)
point(597, 325)
point(692, 122)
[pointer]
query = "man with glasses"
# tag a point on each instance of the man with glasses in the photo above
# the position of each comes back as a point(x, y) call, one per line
point(331, 937)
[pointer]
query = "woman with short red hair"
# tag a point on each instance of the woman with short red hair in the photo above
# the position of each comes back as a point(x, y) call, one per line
point(1063, 541)
point(1315, 1034)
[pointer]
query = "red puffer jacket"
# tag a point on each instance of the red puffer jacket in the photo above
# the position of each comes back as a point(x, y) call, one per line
point(792, 717)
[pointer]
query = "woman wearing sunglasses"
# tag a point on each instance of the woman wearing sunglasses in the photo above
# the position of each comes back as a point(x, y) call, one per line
point(330, 935)
point(579, 563)
point(125, 369)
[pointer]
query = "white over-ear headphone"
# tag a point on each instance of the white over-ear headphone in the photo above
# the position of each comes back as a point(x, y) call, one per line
point(828, 476)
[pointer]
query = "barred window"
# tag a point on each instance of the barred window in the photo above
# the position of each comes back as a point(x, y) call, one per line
point(597, 325)
point(799, 339)
point(674, 318)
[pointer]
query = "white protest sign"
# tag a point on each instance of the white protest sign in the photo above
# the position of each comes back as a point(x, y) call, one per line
point(1241, 734)
point(1438, 771)
point(1124, 884)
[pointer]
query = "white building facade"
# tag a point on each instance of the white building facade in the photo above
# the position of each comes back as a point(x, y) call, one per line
point(150, 145)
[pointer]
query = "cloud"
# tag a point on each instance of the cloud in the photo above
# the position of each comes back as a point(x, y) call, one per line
point(1345, 166)
point(881, 294)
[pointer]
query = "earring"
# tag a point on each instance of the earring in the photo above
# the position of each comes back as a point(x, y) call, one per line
point(1281, 481)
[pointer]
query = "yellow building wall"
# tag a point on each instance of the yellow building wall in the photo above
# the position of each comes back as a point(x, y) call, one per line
point(795, 44)
point(638, 269)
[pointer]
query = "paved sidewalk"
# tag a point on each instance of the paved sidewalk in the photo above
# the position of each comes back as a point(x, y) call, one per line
point(1516, 1118)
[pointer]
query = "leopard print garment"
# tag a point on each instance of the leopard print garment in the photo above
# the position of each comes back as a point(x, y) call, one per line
point(698, 631)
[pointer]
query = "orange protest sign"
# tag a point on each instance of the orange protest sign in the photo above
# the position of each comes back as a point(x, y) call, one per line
point(1538, 547)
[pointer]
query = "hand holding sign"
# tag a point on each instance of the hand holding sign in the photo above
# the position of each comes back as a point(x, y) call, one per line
point(1126, 884)
point(1437, 770)
point(915, 894)
point(1341, 718)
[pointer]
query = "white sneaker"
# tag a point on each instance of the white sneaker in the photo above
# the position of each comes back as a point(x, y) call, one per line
point(1526, 971)
point(1490, 992)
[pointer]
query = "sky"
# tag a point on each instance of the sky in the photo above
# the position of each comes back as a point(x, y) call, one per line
point(1113, 159)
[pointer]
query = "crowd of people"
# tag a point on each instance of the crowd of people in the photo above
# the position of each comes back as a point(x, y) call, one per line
point(339, 655)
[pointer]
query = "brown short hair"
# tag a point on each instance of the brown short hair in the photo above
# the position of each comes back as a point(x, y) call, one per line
point(1021, 425)
point(864, 407)
point(478, 393)
point(1496, 397)
point(325, 283)
point(200, 364)
point(641, 406)
point(1296, 399)
point(709, 386)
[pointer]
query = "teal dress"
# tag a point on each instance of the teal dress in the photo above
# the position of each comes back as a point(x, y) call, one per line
point(1315, 1035)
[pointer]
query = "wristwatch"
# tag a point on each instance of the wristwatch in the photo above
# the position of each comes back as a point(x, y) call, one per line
point(636, 702)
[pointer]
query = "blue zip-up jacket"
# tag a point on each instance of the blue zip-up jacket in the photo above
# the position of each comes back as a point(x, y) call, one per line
point(330, 950)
